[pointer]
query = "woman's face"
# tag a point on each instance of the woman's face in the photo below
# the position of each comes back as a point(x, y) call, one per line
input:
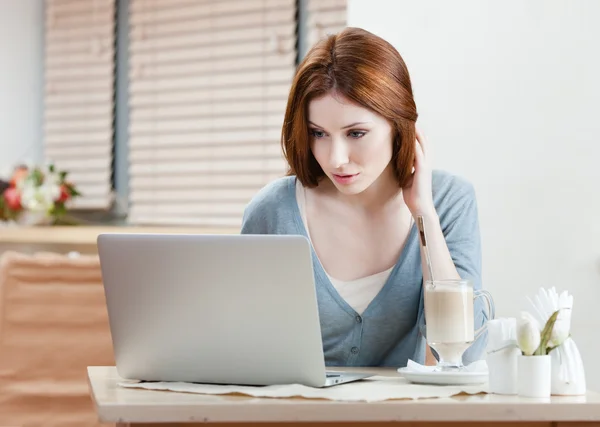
point(352, 144)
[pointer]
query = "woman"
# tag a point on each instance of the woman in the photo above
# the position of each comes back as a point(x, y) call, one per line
point(359, 176)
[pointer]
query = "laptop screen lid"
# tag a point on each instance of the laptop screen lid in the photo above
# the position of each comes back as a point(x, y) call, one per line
point(227, 309)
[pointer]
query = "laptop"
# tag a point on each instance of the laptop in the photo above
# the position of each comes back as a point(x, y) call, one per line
point(217, 309)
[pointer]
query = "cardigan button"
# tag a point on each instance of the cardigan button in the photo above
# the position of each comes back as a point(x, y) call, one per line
point(358, 319)
point(354, 350)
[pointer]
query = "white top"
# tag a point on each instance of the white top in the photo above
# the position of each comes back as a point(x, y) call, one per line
point(357, 293)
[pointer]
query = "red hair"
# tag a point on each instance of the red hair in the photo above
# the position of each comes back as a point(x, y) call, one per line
point(368, 71)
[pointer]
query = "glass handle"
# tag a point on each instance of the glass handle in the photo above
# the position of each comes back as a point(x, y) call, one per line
point(491, 310)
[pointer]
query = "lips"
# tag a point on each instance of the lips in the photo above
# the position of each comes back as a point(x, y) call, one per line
point(345, 178)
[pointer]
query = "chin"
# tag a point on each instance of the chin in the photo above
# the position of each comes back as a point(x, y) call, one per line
point(352, 189)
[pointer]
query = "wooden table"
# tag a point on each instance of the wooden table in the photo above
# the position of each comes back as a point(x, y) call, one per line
point(63, 239)
point(136, 407)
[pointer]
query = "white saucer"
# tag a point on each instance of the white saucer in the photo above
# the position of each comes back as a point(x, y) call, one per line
point(444, 378)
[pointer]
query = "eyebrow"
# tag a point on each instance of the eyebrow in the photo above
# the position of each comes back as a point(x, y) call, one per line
point(345, 127)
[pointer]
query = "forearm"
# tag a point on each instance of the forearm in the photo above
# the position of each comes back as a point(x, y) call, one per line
point(441, 261)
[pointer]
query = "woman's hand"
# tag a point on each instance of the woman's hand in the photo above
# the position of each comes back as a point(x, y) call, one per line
point(417, 192)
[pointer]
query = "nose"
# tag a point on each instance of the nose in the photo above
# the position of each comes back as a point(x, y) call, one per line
point(338, 154)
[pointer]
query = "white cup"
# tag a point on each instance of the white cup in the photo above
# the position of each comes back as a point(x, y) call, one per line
point(534, 376)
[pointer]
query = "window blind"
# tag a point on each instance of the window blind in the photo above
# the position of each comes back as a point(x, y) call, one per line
point(209, 81)
point(79, 95)
point(325, 17)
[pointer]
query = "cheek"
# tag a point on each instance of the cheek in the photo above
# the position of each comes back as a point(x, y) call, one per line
point(318, 151)
point(375, 153)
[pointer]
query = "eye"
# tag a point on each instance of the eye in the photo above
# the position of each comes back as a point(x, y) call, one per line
point(356, 134)
point(317, 133)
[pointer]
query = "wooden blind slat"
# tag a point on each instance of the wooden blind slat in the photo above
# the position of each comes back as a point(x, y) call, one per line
point(214, 23)
point(77, 112)
point(196, 11)
point(65, 34)
point(140, 43)
point(318, 5)
point(206, 124)
point(241, 49)
point(200, 195)
point(233, 165)
point(211, 81)
point(92, 190)
point(263, 92)
point(206, 138)
point(70, 99)
point(92, 202)
point(83, 138)
point(207, 208)
point(79, 45)
point(220, 151)
point(92, 16)
point(143, 218)
point(263, 63)
point(79, 59)
point(174, 181)
point(76, 7)
point(83, 72)
point(67, 153)
point(99, 177)
point(85, 164)
point(160, 5)
point(68, 125)
point(99, 84)
point(247, 108)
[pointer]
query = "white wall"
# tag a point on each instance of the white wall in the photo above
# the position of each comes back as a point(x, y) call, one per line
point(21, 79)
point(508, 95)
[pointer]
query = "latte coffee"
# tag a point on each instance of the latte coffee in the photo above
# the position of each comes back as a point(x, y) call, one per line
point(449, 314)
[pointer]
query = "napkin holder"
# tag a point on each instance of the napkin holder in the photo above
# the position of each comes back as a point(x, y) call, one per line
point(502, 355)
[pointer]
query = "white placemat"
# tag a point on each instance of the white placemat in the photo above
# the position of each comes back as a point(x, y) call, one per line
point(373, 389)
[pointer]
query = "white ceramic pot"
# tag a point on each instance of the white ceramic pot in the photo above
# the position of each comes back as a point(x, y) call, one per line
point(534, 376)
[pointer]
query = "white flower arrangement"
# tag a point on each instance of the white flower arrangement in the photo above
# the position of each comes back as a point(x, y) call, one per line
point(41, 191)
point(555, 313)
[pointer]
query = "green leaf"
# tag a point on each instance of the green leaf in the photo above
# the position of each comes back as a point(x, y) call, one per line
point(51, 168)
point(59, 210)
point(72, 191)
point(546, 334)
point(37, 176)
point(62, 175)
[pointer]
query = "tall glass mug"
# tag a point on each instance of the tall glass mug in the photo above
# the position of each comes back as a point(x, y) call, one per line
point(450, 327)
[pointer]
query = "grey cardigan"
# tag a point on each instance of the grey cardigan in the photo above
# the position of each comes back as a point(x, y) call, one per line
point(389, 331)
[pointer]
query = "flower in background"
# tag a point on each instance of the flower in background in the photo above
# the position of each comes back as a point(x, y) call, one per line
point(42, 191)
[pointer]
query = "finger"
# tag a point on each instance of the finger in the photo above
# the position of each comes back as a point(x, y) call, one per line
point(419, 153)
point(409, 183)
point(421, 139)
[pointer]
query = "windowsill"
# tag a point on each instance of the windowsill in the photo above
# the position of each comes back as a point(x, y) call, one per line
point(87, 235)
